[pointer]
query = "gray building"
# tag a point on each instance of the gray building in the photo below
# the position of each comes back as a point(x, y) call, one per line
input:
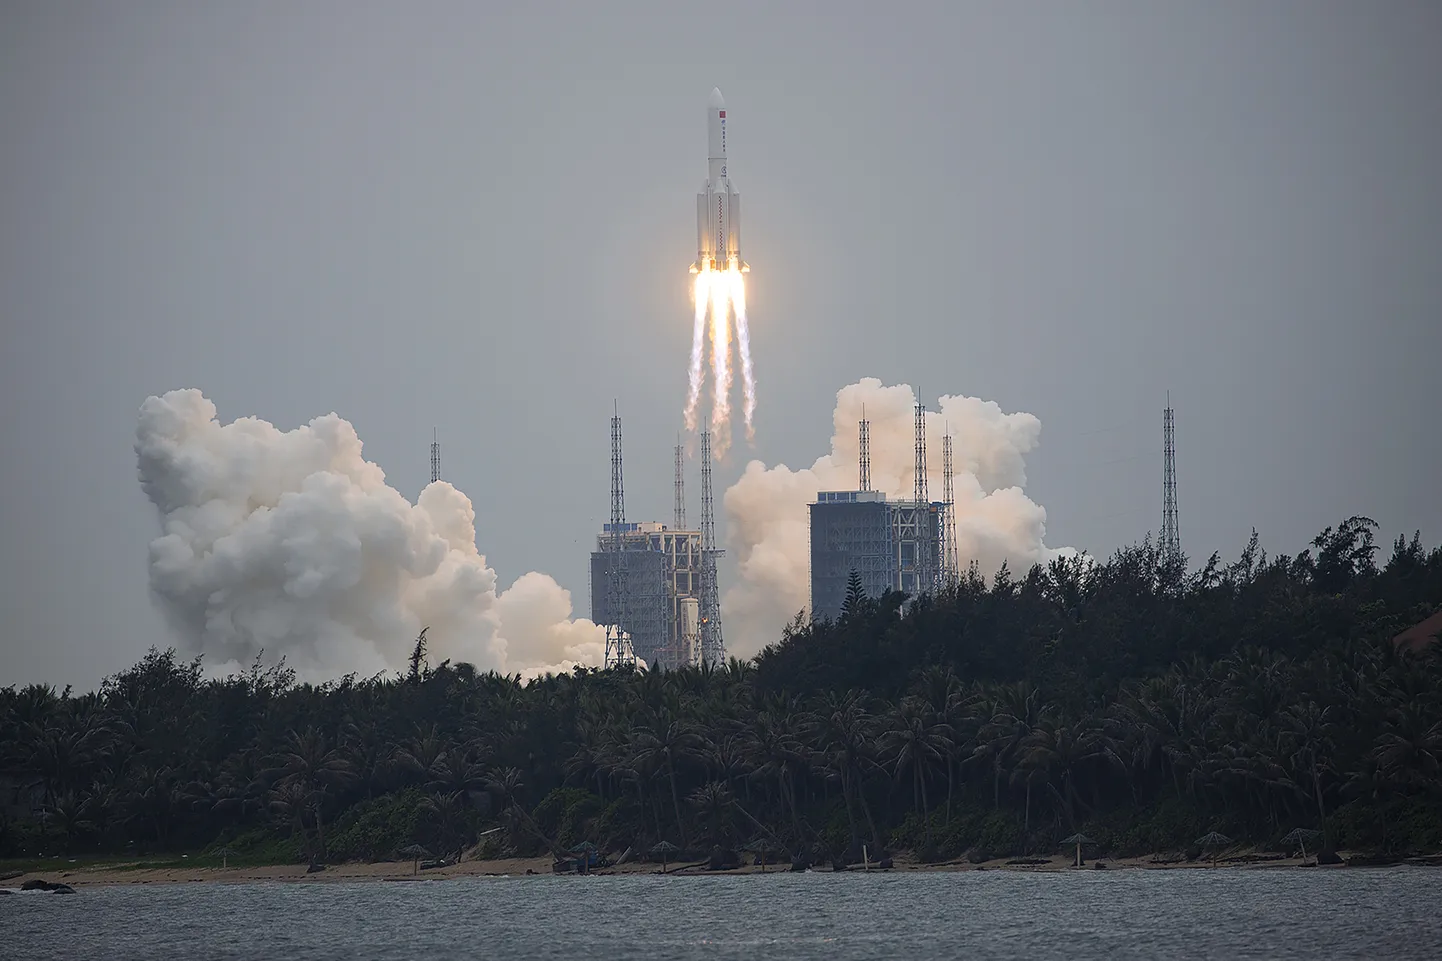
point(891, 545)
point(661, 569)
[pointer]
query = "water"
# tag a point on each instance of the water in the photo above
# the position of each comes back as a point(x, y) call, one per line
point(1216, 913)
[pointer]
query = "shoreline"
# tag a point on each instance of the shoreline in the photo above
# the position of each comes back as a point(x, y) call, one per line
point(396, 871)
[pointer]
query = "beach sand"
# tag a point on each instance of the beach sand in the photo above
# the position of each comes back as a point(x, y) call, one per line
point(404, 871)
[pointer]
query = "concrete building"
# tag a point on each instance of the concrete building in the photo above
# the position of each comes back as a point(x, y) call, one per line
point(891, 545)
point(661, 569)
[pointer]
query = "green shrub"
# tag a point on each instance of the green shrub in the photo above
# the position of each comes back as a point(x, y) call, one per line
point(567, 815)
point(376, 829)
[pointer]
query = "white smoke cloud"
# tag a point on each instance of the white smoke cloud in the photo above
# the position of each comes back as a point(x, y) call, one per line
point(292, 543)
point(767, 508)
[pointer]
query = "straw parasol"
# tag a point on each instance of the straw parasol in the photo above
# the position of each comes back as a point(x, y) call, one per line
point(415, 852)
point(1213, 841)
point(761, 846)
point(225, 854)
point(664, 849)
point(1300, 837)
point(1078, 839)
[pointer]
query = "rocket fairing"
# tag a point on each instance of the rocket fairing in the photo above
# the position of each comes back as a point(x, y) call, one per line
point(718, 207)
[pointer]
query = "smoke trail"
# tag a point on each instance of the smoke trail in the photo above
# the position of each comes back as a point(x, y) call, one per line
point(701, 292)
point(743, 340)
point(720, 368)
point(767, 508)
point(291, 543)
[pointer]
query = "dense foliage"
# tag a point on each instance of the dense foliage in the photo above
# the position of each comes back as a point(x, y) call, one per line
point(1130, 699)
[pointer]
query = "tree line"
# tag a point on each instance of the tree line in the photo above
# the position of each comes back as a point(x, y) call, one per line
point(1131, 699)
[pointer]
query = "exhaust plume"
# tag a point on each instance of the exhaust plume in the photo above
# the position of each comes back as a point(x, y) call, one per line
point(291, 543)
point(768, 514)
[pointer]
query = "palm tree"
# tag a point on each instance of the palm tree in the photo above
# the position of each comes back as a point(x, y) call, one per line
point(308, 763)
point(662, 741)
point(713, 804)
point(846, 737)
point(1307, 735)
point(914, 741)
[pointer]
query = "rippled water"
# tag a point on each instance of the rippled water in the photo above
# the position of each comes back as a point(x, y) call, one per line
point(996, 914)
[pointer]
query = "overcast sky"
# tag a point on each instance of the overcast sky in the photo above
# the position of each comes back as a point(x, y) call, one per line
point(424, 214)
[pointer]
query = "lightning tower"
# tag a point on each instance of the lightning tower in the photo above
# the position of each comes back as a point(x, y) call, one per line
point(1171, 536)
point(924, 576)
point(950, 566)
point(713, 647)
point(618, 645)
point(680, 516)
point(865, 457)
point(435, 456)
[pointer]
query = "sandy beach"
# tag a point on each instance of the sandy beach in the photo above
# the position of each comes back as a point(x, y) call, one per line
point(404, 872)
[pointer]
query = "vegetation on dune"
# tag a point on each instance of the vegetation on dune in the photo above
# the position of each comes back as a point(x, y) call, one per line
point(1128, 699)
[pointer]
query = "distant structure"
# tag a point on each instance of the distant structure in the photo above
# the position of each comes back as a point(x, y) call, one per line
point(1171, 534)
point(951, 570)
point(435, 456)
point(890, 545)
point(864, 460)
point(616, 613)
point(648, 579)
point(713, 646)
point(679, 521)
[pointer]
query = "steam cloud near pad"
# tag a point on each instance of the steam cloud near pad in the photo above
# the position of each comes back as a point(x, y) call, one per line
point(292, 543)
point(768, 515)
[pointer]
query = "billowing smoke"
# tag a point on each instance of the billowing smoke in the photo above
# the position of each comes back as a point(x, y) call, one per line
point(767, 507)
point(292, 543)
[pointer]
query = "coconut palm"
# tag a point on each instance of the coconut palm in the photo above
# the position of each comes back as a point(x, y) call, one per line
point(915, 741)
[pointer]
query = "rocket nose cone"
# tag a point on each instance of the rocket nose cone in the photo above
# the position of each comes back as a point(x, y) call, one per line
point(717, 101)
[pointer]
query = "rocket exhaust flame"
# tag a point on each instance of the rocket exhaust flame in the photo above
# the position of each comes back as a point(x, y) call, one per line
point(720, 367)
point(743, 342)
point(698, 346)
point(720, 291)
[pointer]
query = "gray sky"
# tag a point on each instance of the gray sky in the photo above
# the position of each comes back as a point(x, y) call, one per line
point(425, 215)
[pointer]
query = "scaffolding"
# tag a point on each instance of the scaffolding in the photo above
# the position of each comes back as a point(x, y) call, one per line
point(663, 577)
point(619, 651)
point(713, 646)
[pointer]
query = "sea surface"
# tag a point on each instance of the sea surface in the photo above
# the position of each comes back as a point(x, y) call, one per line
point(1214, 913)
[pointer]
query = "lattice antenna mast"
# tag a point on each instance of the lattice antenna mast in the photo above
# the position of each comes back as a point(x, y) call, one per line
point(680, 517)
point(924, 535)
point(618, 646)
point(713, 647)
point(865, 458)
point(1171, 533)
point(435, 455)
point(950, 561)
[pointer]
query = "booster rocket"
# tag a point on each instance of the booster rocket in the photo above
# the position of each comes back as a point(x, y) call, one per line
point(718, 207)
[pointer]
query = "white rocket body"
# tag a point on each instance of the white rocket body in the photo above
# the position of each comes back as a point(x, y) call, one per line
point(718, 207)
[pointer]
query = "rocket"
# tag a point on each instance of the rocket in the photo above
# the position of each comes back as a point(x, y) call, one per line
point(718, 207)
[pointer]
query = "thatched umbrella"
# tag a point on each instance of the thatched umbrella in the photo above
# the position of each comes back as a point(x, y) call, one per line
point(664, 849)
point(585, 850)
point(1300, 837)
point(416, 852)
point(761, 846)
point(1078, 839)
point(225, 854)
point(1214, 841)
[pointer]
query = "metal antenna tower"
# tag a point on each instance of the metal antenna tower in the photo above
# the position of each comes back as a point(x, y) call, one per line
point(1171, 535)
point(618, 645)
point(713, 647)
point(919, 494)
point(865, 451)
point(435, 456)
point(680, 487)
point(925, 534)
point(950, 563)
